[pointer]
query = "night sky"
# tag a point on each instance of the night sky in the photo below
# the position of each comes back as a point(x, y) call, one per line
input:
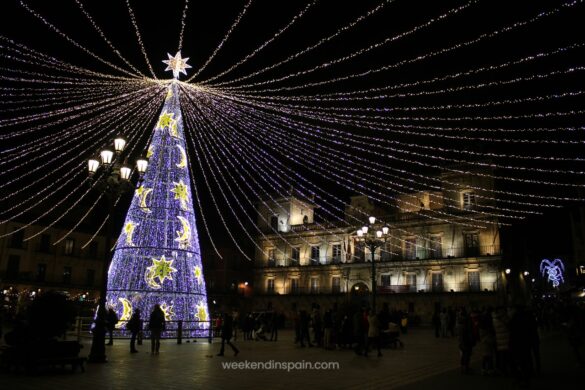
point(207, 23)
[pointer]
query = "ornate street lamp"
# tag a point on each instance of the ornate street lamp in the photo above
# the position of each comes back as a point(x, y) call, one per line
point(373, 238)
point(112, 178)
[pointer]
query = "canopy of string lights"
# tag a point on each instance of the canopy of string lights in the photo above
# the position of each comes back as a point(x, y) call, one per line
point(373, 98)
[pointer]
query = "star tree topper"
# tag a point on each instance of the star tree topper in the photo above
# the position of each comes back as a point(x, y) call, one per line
point(177, 64)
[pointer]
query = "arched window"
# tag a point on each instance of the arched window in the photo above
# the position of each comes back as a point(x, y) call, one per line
point(306, 219)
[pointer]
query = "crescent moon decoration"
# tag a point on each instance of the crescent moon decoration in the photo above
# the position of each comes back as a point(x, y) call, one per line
point(184, 237)
point(126, 312)
point(142, 193)
point(173, 128)
point(168, 311)
point(129, 228)
point(201, 314)
point(198, 274)
point(149, 278)
point(183, 162)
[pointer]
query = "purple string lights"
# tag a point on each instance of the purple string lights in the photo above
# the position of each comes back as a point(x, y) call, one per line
point(157, 259)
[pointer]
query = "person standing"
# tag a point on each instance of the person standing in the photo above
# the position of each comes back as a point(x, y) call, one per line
point(111, 321)
point(437, 322)
point(274, 327)
point(156, 325)
point(327, 328)
point(466, 341)
point(373, 333)
point(134, 325)
point(304, 320)
point(226, 334)
point(444, 320)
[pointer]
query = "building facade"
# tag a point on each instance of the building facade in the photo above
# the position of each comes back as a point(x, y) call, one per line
point(39, 264)
point(443, 249)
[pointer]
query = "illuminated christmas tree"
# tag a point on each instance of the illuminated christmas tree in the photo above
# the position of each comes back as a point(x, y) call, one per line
point(157, 259)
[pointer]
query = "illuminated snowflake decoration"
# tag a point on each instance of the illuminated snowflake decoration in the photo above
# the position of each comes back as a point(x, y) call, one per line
point(553, 270)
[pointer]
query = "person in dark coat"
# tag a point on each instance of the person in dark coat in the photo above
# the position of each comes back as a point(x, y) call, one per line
point(304, 326)
point(111, 321)
point(156, 325)
point(466, 340)
point(134, 325)
point(227, 328)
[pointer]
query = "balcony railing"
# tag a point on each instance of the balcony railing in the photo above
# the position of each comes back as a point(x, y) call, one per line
point(393, 289)
point(421, 254)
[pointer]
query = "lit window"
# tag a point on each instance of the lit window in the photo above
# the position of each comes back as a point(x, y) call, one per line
point(468, 200)
point(336, 284)
point(270, 285)
point(69, 246)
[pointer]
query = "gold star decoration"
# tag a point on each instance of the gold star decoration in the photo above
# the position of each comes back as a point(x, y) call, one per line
point(168, 311)
point(161, 269)
point(177, 64)
point(201, 314)
point(129, 232)
point(165, 120)
point(180, 191)
point(198, 274)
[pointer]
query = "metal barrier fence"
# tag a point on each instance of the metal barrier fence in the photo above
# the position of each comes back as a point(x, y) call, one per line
point(173, 330)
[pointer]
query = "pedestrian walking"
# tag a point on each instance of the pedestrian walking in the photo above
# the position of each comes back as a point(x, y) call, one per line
point(226, 334)
point(156, 325)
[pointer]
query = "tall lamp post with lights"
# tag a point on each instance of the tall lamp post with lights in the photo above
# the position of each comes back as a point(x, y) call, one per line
point(112, 177)
point(373, 239)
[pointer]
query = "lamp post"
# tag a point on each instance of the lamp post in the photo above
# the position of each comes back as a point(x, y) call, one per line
point(112, 177)
point(373, 239)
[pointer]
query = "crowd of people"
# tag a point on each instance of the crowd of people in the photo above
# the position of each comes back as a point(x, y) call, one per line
point(507, 339)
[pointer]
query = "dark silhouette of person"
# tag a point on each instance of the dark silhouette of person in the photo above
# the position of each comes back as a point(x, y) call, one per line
point(274, 327)
point(304, 326)
point(111, 321)
point(134, 325)
point(156, 325)
point(227, 328)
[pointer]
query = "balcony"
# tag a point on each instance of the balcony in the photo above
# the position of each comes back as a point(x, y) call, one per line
point(393, 289)
point(290, 262)
point(421, 254)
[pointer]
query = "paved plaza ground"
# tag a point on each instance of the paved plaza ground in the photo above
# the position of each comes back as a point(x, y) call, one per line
point(425, 363)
